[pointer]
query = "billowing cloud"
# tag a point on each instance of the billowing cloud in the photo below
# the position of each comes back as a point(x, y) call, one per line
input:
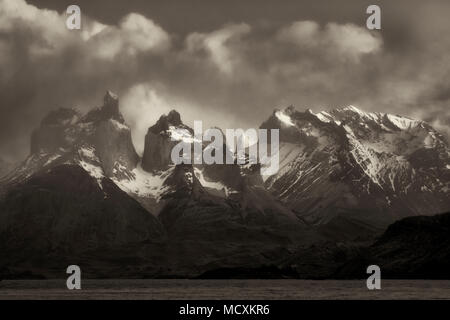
point(135, 34)
point(44, 65)
point(219, 45)
point(343, 41)
point(138, 107)
point(231, 75)
point(47, 35)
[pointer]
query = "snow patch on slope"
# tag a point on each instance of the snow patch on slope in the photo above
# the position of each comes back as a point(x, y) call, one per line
point(181, 134)
point(144, 184)
point(324, 116)
point(93, 170)
point(91, 164)
point(119, 125)
point(284, 118)
point(210, 184)
point(51, 159)
point(402, 123)
point(88, 153)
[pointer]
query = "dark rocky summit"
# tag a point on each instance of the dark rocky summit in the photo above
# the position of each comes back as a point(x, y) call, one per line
point(160, 140)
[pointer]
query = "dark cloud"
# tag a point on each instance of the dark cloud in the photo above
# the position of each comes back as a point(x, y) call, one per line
point(227, 63)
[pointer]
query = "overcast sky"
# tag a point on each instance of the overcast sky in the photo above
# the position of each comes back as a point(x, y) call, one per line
point(228, 63)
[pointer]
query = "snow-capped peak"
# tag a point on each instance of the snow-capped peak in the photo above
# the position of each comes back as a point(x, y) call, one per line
point(353, 109)
point(362, 155)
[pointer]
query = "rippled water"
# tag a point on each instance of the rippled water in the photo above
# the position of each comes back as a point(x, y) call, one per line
point(225, 289)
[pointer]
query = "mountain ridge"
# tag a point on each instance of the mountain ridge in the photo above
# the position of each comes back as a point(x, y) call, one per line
point(365, 157)
point(368, 158)
point(207, 217)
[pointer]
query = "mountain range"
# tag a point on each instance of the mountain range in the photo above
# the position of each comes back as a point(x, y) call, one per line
point(84, 196)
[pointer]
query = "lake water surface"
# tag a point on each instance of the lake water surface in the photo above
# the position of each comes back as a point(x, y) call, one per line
point(225, 289)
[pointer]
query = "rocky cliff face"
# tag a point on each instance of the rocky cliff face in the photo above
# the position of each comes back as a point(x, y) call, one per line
point(112, 138)
point(161, 138)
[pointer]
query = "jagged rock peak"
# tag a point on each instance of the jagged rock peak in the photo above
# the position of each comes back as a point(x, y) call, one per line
point(290, 109)
point(110, 98)
point(109, 110)
point(173, 118)
point(288, 116)
point(160, 139)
